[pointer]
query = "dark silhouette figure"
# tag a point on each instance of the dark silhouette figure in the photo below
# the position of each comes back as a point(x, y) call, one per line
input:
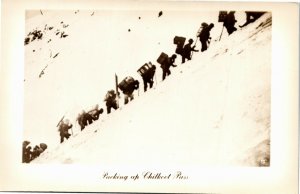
point(179, 41)
point(251, 16)
point(26, 157)
point(95, 113)
point(84, 119)
point(229, 22)
point(166, 66)
point(204, 36)
point(63, 129)
point(28, 154)
point(187, 51)
point(147, 72)
point(128, 85)
point(87, 118)
point(111, 101)
point(36, 152)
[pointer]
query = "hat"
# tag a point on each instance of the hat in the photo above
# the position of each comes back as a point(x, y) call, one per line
point(191, 41)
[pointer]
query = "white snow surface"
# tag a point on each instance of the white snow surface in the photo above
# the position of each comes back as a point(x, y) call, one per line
point(212, 110)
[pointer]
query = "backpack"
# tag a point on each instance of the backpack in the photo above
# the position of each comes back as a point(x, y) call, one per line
point(202, 27)
point(222, 16)
point(205, 33)
point(126, 83)
point(146, 69)
point(162, 59)
point(179, 41)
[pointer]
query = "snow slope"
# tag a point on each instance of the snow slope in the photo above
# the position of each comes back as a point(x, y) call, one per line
point(97, 47)
point(212, 110)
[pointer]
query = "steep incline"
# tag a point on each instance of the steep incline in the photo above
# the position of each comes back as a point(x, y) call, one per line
point(212, 110)
point(97, 47)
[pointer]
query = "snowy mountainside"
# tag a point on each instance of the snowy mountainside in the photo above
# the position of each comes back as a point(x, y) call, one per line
point(97, 46)
point(212, 110)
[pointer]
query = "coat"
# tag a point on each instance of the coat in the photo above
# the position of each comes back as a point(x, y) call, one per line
point(205, 33)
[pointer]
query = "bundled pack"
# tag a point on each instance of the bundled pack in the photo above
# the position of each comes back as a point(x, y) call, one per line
point(145, 69)
point(162, 58)
point(179, 41)
point(222, 16)
point(125, 83)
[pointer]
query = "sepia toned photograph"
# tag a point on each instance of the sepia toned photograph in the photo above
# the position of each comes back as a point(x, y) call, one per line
point(129, 96)
point(173, 85)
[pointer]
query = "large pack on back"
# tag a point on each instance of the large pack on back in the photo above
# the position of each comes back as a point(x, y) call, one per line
point(162, 58)
point(222, 16)
point(125, 83)
point(179, 40)
point(145, 69)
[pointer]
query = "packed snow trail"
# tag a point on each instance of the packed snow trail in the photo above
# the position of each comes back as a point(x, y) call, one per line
point(212, 110)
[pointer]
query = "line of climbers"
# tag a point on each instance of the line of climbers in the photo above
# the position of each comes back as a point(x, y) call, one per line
point(147, 71)
point(128, 85)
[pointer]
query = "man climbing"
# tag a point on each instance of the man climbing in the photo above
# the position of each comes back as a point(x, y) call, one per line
point(147, 72)
point(26, 152)
point(84, 119)
point(95, 113)
point(63, 129)
point(204, 36)
point(179, 41)
point(187, 51)
point(128, 85)
point(229, 22)
point(167, 64)
point(111, 101)
point(36, 152)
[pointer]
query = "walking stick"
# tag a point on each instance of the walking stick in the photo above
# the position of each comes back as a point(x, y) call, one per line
point(221, 33)
point(60, 120)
